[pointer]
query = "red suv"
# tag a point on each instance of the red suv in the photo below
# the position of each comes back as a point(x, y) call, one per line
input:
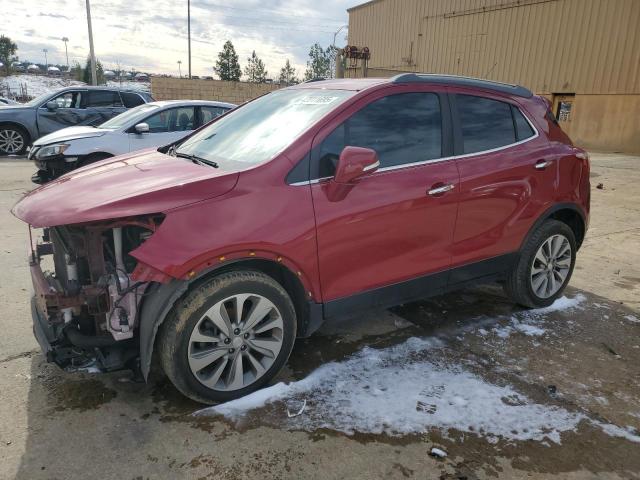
point(320, 200)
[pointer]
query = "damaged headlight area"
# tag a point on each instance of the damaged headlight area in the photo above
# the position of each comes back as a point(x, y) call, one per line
point(86, 304)
point(51, 150)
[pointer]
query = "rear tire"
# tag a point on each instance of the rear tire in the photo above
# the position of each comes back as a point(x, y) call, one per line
point(14, 140)
point(544, 266)
point(227, 337)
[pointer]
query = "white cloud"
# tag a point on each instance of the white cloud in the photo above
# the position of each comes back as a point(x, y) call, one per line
point(152, 35)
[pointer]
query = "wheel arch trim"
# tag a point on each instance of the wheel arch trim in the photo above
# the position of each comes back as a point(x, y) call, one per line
point(549, 214)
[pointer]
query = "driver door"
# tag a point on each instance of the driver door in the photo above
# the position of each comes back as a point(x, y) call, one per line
point(69, 111)
point(390, 238)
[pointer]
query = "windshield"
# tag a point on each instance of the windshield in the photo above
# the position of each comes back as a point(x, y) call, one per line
point(38, 100)
point(132, 115)
point(258, 131)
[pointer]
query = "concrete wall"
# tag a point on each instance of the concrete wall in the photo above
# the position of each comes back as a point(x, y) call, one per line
point(163, 88)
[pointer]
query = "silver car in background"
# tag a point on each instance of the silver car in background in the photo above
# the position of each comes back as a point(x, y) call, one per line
point(150, 125)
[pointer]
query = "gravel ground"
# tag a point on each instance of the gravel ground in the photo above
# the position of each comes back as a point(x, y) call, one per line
point(505, 393)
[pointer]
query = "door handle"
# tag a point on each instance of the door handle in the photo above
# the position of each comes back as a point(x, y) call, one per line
point(542, 164)
point(441, 189)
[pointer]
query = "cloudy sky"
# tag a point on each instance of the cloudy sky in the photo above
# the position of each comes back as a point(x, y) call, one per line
point(151, 35)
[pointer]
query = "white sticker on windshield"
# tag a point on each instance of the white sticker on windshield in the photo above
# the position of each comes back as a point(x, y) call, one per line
point(315, 100)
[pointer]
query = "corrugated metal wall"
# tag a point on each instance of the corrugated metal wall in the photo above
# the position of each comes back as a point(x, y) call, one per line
point(578, 46)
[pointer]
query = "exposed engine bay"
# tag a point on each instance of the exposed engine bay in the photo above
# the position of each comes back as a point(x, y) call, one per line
point(86, 300)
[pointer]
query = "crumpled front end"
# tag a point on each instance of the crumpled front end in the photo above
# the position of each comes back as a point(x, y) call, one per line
point(85, 304)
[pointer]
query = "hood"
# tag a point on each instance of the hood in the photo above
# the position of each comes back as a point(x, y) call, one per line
point(70, 133)
point(7, 109)
point(135, 184)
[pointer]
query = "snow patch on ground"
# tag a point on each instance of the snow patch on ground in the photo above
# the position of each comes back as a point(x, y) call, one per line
point(631, 318)
point(410, 388)
point(129, 85)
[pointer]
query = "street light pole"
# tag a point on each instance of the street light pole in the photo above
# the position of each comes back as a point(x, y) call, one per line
point(335, 55)
point(66, 52)
point(94, 77)
point(46, 62)
point(189, 32)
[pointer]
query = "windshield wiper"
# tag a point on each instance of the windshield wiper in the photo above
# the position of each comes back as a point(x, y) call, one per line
point(197, 159)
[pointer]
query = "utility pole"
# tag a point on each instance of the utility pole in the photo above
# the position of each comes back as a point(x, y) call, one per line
point(179, 69)
point(66, 52)
point(334, 70)
point(94, 77)
point(46, 62)
point(188, 32)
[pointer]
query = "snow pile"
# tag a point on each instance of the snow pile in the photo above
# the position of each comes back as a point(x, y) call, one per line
point(34, 85)
point(129, 85)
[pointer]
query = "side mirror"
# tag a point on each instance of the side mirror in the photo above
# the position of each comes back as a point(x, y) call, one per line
point(52, 105)
point(142, 128)
point(355, 162)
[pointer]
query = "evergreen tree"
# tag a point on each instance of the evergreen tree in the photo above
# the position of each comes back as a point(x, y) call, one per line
point(288, 74)
point(255, 70)
point(319, 63)
point(86, 73)
point(227, 66)
point(7, 50)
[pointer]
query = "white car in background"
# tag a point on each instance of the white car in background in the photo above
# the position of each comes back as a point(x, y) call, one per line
point(150, 125)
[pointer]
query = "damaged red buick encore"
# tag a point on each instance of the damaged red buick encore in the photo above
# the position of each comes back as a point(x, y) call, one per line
point(211, 255)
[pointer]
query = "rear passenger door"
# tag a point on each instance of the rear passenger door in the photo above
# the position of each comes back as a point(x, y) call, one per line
point(164, 127)
point(393, 226)
point(102, 105)
point(501, 190)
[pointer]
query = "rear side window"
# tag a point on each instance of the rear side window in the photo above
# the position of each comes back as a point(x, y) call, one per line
point(523, 128)
point(103, 98)
point(131, 100)
point(402, 128)
point(209, 113)
point(485, 123)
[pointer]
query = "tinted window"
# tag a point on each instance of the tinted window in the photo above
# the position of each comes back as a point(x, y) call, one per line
point(173, 120)
point(131, 99)
point(104, 98)
point(402, 128)
point(209, 113)
point(523, 128)
point(485, 123)
point(69, 100)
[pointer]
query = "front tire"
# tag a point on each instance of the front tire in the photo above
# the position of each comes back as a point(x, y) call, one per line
point(227, 337)
point(13, 140)
point(544, 266)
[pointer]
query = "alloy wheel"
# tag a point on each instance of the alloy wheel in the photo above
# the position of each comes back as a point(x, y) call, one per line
point(11, 141)
point(550, 266)
point(235, 342)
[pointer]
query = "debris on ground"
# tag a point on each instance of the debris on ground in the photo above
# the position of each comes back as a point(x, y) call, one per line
point(437, 452)
point(600, 186)
point(293, 405)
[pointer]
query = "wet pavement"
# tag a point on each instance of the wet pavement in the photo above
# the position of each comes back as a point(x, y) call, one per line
point(504, 392)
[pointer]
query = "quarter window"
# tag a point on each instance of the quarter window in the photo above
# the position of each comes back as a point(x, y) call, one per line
point(402, 128)
point(485, 123)
point(523, 128)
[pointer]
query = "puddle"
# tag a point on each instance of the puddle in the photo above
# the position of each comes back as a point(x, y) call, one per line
point(78, 395)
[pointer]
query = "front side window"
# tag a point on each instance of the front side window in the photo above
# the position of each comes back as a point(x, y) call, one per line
point(401, 128)
point(486, 124)
point(258, 131)
point(69, 100)
point(104, 98)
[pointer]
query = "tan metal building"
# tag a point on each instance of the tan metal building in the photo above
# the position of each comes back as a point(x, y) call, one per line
point(584, 55)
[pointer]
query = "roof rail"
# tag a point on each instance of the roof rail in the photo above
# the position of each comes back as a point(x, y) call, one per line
point(456, 80)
